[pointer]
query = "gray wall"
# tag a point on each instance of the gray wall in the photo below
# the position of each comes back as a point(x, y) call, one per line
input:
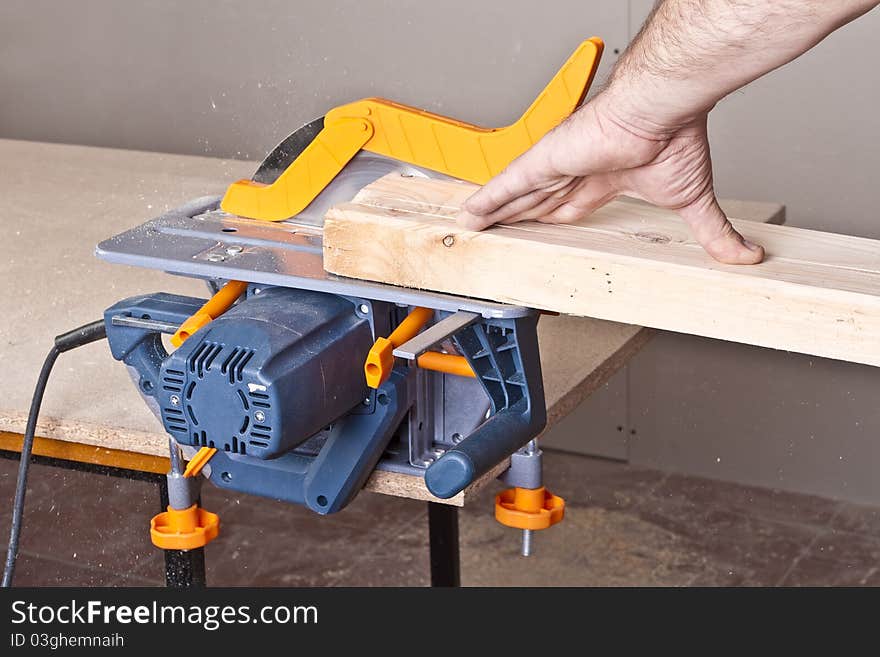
point(230, 79)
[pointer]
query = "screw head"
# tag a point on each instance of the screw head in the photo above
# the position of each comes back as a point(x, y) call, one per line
point(260, 416)
point(235, 249)
point(215, 257)
point(175, 400)
point(448, 240)
point(364, 308)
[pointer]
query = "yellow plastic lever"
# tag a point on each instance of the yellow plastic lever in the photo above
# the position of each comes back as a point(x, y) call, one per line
point(457, 149)
point(299, 184)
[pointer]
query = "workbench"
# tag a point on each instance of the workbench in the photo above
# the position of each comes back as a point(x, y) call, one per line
point(58, 201)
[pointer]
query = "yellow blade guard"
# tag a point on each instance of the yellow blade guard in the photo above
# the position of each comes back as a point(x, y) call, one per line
point(457, 149)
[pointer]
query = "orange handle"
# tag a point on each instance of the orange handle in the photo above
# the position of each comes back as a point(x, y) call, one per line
point(213, 308)
point(380, 359)
point(446, 363)
point(199, 461)
point(410, 327)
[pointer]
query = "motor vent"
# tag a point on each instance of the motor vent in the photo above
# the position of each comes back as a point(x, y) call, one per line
point(267, 374)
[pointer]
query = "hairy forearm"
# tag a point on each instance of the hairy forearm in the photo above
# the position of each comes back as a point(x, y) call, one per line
point(692, 53)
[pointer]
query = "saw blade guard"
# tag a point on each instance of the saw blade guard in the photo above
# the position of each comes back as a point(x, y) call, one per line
point(411, 135)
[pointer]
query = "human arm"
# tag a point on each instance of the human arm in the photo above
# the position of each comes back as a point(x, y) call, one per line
point(645, 134)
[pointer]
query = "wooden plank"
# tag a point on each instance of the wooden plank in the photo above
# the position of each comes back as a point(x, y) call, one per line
point(816, 293)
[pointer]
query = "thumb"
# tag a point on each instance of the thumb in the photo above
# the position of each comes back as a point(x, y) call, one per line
point(717, 235)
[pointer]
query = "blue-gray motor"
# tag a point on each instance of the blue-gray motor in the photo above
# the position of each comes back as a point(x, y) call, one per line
point(266, 375)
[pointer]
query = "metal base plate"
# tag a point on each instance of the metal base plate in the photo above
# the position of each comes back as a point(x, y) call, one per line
point(202, 241)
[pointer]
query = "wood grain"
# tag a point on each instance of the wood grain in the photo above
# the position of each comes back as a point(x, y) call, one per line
point(816, 293)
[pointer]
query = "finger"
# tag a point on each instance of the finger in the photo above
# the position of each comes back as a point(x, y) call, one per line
point(717, 235)
point(517, 209)
point(580, 198)
point(570, 212)
point(527, 173)
point(536, 213)
point(592, 194)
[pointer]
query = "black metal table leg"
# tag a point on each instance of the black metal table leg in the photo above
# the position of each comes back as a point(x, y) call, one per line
point(443, 533)
point(184, 569)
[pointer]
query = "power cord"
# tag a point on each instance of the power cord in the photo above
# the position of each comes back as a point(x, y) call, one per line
point(65, 342)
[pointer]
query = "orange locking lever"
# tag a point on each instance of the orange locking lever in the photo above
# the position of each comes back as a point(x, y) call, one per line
point(380, 358)
point(213, 308)
point(199, 461)
point(446, 363)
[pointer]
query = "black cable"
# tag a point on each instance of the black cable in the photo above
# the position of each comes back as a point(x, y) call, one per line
point(64, 342)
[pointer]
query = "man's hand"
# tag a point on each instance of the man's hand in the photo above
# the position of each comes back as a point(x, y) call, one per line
point(645, 134)
point(595, 156)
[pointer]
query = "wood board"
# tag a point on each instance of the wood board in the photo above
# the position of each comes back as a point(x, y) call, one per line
point(816, 293)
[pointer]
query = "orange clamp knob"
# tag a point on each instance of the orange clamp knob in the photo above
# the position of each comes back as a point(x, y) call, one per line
point(184, 529)
point(528, 508)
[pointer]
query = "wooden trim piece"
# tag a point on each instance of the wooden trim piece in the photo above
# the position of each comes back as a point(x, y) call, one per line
point(80, 453)
point(816, 293)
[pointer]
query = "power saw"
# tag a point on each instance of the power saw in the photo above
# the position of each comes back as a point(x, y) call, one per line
point(295, 384)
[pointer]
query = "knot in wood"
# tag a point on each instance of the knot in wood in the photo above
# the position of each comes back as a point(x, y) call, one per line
point(653, 238)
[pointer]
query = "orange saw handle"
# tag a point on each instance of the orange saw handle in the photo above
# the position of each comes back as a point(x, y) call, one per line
point(421, 138)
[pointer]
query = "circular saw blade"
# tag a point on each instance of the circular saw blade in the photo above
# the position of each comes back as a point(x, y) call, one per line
point(362, 169)
point(283, 155)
